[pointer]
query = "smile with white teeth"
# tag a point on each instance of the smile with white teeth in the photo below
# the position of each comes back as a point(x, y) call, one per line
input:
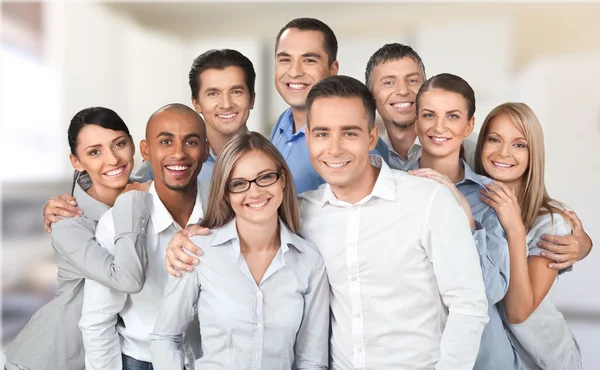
point(115, 172)
point(227, 116)
point(177, 168)
point(297, 86)
point(439, 139)
point(336, 165)
point(402, 105)
point(258, 205)
point(502, 165)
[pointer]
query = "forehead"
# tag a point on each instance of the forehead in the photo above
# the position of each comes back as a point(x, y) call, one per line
point(93, 134)
point(442, 100)
point(176, 123)
point(294, 41)
point(335, 112)
point(504, 126)
point(397, 67)
point(222, 78)
point(252, 163)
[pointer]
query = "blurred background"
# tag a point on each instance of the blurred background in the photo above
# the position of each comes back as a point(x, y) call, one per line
point(59, 57)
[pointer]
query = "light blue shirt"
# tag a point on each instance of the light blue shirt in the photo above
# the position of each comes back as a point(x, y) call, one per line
point(280, 323)
point(496, 351)
point(294, 149)
point(144, 173)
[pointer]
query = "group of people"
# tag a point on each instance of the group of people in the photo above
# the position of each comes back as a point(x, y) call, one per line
point(328, 245)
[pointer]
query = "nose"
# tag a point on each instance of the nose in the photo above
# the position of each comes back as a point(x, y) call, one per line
point(402, 88)
point(335, 146)
point(111, 158)
point(254, 191)
point(505, 149)
point(225, 101)
point(440, 125)
point(296, 69)
point(178, 150)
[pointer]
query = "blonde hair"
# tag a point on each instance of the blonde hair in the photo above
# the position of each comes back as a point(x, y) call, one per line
point(534, 198)
point(219, 211)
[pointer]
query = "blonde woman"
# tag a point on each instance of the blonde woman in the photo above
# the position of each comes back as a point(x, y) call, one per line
point(510, 150)
point(261, 290)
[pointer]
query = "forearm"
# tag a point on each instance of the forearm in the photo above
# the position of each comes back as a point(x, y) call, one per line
point(460, 341)
point(587, 245)
point(519, 299)
point(166, 352)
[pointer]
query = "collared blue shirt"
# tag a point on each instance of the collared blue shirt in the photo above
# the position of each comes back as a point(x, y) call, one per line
point(496, 351)
point(294, 149)
point(144, 173)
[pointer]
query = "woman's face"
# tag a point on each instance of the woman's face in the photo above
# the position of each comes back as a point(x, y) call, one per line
point(443, 122)
point(257, 204)
point(105, 154)
point(505, 153)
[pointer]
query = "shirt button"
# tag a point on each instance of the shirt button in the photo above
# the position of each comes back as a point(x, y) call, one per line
point(359, 350)
point(357, 315)
point(289, 144)
point(257, 356)
point(258, 325)
point(353, 278)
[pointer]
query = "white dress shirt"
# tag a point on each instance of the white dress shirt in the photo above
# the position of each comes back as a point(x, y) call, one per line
point(407, 286)
point(105, 340)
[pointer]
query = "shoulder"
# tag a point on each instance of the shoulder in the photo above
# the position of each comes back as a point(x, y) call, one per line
point(311, 198)
point(553, 223)
point(66, 226)
point(406, 183)
point(310, 253)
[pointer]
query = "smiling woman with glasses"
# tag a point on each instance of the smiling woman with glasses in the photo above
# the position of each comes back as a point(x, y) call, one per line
point(261, 290)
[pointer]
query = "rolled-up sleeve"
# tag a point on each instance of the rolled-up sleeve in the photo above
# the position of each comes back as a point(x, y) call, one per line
point(450, 247)
point(174, 315)
point(312, 341)
point(494, 257)
point(125, 269)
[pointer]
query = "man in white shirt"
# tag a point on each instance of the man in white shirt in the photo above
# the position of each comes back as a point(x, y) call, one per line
point(406, 283)
point(176, 147)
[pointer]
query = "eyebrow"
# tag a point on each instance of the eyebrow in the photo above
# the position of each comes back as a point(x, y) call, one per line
point(406, 76)
point(344, 128)
point(268, 170)
point(497, 134)
point(99, 145)
point(235, 87)
point(305, 55)
point(450, 111)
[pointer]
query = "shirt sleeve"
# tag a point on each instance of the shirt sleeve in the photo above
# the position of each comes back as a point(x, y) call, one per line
point(450, 247)
point(174, 315)
point(312, 342)
point(143, 174)
point(552, 224)
point(494, 257)
point(125, 270)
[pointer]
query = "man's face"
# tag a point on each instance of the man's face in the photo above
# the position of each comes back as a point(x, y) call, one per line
point(395, 86)
point(224, 100)
point(339, 140)
point(176, 147)
point(300, 62)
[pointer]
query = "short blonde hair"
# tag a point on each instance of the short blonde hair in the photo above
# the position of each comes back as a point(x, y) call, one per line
point(219, 210)
point(534, 198)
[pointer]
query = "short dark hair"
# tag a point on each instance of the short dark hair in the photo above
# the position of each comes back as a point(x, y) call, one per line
point(312, 24)
point(343, 87)
point(389, 52)
point(220, 59)
point(451, 83)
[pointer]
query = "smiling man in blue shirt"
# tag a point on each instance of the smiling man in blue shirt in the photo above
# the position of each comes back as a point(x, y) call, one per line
point(305, 53)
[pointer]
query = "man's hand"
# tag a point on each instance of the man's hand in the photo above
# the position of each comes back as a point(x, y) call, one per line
point(177, 259)
point(139, 186)
point(62, 206)
point(566, 250)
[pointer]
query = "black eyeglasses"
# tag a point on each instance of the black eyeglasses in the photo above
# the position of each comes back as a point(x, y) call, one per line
point(264, 180)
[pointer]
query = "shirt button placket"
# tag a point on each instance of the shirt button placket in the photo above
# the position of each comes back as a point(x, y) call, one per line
point(258, 332)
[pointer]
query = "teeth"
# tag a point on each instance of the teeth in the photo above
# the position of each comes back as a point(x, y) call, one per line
point(297, 86)
point(401, 105)
point(177, 168)
point(439, 139)
point(227, 116)
point(502, 165)
point(258, 205)
point(116, 172)
point(336, 165)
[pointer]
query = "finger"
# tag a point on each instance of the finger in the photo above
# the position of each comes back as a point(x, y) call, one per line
point(561, 266)
point(492, 196)
point(559, 239)
point(54, 206)
point(52, 212)
point(575, 221)
point(47, 227)
point(68, 199)
point(195, 229)
point(176, 263)
point(193, 249)
point(172, 271)
point(556, 257)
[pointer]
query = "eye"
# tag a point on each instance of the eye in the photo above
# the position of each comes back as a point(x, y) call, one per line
point(388, 83)
point(237, 185)
point(166, 142)
point(121, 144)
point(283, 60)
point(191, 142)
point(310, 61)
point(94, 152)
point(413, 81)
point(493, 140)
point(237, 92)
point(321, 134)
point(427, 115)
point(211, 93)
point(520, 145)
point(350, 133)
point(453, 116)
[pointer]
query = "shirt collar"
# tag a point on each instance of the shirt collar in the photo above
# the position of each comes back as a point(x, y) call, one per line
point(229, 232)
point(287, 125)
point(385, 186)
point(472, 176)
point(162, 219)
point(92, 208)
point(386, 139)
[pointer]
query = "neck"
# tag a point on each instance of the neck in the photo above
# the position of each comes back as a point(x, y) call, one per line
point(179, 203)
point(299, 115)
point(361, 188)
point(258, 237)
point(217, 140)
point(402, 139)
point(105, 195)
point(449, 166)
